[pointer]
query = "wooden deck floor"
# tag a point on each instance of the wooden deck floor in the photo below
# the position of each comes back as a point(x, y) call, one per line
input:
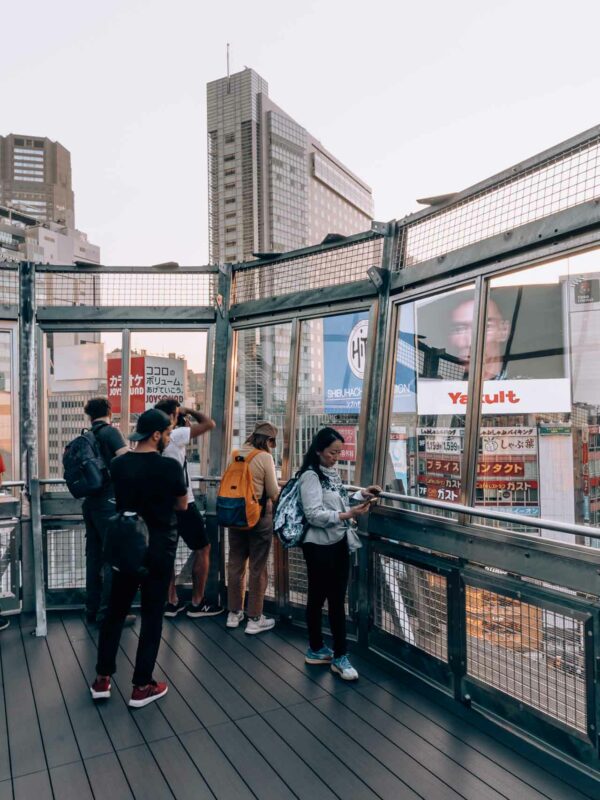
point(244, 718)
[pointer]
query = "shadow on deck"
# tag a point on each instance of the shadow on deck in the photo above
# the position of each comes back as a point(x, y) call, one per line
point(244, 718)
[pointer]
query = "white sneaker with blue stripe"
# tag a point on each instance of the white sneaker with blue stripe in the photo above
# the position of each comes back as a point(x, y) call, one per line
point(344, 668)
point(322, 656)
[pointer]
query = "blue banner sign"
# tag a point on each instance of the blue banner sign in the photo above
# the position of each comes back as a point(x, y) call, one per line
point(344, 355)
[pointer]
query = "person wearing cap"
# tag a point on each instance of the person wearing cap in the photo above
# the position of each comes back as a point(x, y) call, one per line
point(189, 425)
point(155, 488)
point(97, 511)
point(251, 548)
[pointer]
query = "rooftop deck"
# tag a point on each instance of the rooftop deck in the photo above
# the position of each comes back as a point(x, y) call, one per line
point(244, 718)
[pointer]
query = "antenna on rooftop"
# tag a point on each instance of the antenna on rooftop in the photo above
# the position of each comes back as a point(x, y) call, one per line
point(228, 75)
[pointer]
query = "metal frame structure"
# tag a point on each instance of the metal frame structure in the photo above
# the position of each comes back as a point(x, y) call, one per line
point(435, 561)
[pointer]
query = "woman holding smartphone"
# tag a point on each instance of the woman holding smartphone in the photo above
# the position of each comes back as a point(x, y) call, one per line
point(329, 540)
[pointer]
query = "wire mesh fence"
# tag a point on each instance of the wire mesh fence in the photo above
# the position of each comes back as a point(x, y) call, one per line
point(65, 557)
point(411, 603)
point(533, 654)
point(134, 288)
point(562, 182)
point(9, 285)
point(329, 267)
point(8, 566)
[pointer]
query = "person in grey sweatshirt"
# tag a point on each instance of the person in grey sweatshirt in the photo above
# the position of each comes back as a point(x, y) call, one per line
point(330, 538)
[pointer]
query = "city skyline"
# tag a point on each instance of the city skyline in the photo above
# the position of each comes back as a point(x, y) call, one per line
point(411, 98)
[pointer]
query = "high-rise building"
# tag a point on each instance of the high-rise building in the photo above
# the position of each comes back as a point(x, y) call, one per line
point(273, 187)
point(35, 177)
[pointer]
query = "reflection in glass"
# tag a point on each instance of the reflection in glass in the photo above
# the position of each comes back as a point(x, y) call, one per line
point(76, 371)
point(261, 382)
point(426, 431)
point(169, 364)
point(330, 383)
point(6, 426)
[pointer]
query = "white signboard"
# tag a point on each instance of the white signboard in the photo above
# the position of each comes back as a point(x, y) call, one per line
point(164, 378)
point(507, 441)
point(548, 395)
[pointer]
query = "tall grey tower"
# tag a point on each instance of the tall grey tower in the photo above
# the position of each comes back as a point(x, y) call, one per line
point(35, 177)
point(272, 186)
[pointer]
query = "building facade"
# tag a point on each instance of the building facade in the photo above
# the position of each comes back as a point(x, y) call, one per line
point(273, 187)
point(35, 178)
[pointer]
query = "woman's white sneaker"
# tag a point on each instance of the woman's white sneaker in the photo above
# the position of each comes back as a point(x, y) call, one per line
point(260, 624)
point(234, 618)
point(344, 668)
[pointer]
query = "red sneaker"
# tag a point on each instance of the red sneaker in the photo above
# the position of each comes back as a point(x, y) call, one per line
point(152, 692)
point(100, 689)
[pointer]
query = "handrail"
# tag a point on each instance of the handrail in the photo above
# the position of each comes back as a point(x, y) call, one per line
point(455, 508)
point(61, 481)
point(12, 484)
point(500, 516)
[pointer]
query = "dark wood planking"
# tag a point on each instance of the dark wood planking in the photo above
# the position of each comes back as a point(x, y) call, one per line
point(107, 778)
point(4, 751)
point(59, 740)
point(223, 780)
point(195, 676)
point(24, 736)
point(278, 689)
point(143, 775)
point(302, 780)
point(70, 782)
point(90, 733)
point(365, 766)
point(35, 785)
point(256, 772)
point(294, 675)
point(6, 792)
point(182, 775)
point(341, 780)
point(255, 696)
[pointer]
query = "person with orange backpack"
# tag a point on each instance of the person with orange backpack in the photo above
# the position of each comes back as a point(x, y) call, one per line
point(244, 505)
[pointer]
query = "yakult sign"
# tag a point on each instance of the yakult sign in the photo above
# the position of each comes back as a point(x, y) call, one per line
point(550, 395)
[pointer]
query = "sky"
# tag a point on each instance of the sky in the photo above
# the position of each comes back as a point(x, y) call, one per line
point(416, 99)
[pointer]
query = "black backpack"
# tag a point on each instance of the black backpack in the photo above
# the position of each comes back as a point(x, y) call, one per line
point(85, 470)
point(126, 546)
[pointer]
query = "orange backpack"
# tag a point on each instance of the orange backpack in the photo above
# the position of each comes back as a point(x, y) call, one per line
point(237, 504)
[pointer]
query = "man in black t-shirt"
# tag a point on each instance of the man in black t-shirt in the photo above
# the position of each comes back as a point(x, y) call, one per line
point(155, 488)
point(97, 510)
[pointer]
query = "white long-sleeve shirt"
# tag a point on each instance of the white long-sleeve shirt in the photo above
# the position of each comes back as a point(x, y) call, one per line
point(322, 508)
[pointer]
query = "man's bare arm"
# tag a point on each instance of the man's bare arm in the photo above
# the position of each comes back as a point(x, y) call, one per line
point(201, 425)
point(181, 503)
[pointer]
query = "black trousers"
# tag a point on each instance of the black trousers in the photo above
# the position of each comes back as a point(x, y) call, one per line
point(98, 574)
point(154, 588)
point(327, 568)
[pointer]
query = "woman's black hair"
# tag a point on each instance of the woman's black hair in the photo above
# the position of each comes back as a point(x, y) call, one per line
point(321, 440)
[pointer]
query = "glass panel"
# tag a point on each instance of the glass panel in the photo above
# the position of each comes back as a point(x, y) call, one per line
point(426, 432)
point(171, 364)
point(7, 452)
point(261, 393)
point(261, 382)
point(541, 400)
point(77, 369)
point(330, 380)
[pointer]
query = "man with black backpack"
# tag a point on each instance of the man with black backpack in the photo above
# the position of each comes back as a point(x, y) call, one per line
point(152, 488)
point(98, 509)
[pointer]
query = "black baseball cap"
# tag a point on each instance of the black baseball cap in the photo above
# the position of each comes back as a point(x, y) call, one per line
point(148, 423)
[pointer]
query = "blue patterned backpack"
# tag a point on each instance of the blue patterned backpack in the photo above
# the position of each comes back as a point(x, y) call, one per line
point(289, 522)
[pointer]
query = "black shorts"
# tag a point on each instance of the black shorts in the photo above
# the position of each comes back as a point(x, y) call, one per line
point(190, 527)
